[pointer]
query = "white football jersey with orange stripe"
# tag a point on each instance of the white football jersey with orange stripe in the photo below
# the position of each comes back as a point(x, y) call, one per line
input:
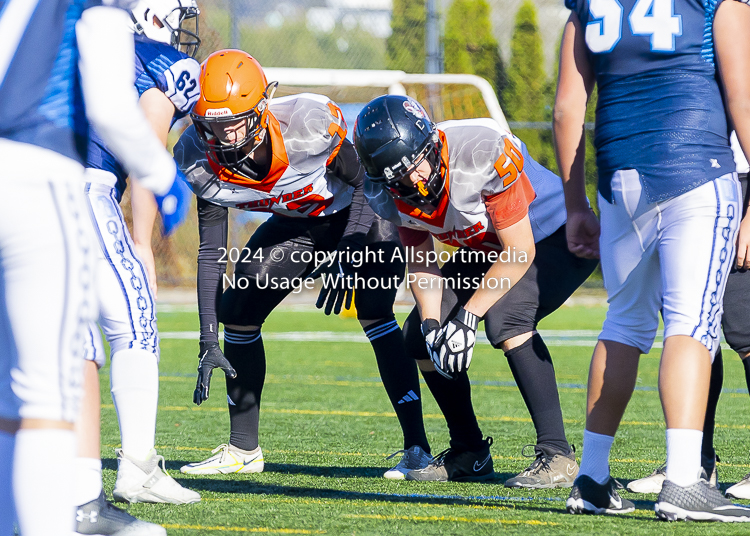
point(306, 132)
point(482, 160)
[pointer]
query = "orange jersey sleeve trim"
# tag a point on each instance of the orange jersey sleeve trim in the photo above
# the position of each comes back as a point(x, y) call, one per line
point(336, 128)
point(510, 206)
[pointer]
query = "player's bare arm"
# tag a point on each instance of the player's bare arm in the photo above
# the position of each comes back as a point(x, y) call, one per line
point(159, 111)
point(575, 83)
point(520, 237)
point(427, 294)
point(732, 43)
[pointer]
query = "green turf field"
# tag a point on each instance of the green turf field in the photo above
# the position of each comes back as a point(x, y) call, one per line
point(327, 426)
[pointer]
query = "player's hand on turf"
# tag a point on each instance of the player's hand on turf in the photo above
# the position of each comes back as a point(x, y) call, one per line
point(211, 357)
point(455, 344)
point(743, 244)
point(338, 281)
point(582, 229)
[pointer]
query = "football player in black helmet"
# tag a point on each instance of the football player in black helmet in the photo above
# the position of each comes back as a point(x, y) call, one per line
point(472, 185)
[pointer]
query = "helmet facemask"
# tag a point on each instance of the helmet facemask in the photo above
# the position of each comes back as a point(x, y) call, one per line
point(183, 25)
point(234, 154)
point(424, 195)
point(172, 22)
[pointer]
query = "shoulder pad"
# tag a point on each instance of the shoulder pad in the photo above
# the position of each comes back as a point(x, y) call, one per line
point(500, 163)
point(188, 151)
point(314, 126)
point(169, 70)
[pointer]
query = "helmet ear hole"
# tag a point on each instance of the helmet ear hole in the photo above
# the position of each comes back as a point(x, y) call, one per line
point(393, 135)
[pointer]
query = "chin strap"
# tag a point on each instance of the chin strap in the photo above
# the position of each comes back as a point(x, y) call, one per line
point(137, 25)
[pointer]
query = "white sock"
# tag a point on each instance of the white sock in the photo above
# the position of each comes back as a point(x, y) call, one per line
point(88, 475)
point(134, 377)
point(595, 457)
point(684, 456)
point(7, 510)
point(42, 474)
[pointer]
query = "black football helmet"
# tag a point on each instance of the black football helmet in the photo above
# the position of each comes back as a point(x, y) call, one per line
point(392, 136)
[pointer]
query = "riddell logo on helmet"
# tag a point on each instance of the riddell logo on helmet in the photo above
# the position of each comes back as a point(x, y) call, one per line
point(218, 112)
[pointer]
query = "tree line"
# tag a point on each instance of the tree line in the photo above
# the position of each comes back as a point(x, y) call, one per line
point(523, 89)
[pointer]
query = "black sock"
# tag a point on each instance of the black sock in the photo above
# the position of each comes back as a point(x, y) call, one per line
point(400, 379)
point(244, 350)
point(454, 399)
point(534, 373)
point(746, 364)
point(717, 380)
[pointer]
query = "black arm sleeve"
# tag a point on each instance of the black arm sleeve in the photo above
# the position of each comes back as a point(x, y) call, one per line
point(212, 226)
point(346, 166)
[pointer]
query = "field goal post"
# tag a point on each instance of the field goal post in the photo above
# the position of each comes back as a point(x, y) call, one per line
point(446, 96)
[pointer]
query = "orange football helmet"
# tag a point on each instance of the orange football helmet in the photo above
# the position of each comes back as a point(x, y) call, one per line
point(233, 88)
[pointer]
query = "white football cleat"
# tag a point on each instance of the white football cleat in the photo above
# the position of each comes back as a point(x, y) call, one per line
point(650, 484)
point(148, 482)
point(741, 490)
point(413, 458)
point(227, 459)
point(653, 482)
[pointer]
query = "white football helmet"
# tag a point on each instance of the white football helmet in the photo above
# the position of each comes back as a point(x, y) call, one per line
point(174, 22)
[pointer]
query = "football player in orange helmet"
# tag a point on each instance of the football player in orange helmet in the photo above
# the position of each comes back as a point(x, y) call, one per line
point(290, 157)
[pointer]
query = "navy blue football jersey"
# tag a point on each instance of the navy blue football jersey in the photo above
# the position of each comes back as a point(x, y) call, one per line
point(660, 109)
point(41, 102)
point(161, 66)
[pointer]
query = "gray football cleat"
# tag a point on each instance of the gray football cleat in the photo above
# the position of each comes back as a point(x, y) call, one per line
point(546, 471)
point(102, 518)
point(413, 458)
point(698, 502)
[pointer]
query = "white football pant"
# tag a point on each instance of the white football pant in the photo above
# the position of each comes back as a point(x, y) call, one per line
point(672, 256)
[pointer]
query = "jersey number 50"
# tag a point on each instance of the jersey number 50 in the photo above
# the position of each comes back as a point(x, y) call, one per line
point(655, 18)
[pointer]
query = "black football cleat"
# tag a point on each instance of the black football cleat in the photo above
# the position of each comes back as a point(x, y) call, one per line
point(456, 465)
point(100, 517)
point(589, 497)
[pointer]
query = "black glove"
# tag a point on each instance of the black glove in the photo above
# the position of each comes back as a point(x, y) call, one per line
point(211, 357)
point(455, 344)
point(338, 284)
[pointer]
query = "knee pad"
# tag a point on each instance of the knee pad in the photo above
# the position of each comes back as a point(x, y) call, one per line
point(374, 304)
